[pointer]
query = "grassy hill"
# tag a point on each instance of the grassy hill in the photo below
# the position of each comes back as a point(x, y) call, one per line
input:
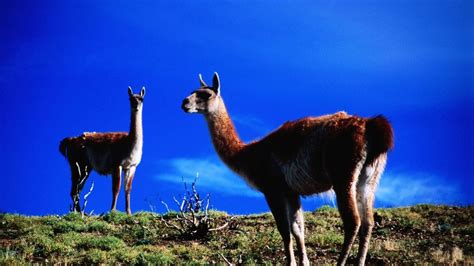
point(423, 233)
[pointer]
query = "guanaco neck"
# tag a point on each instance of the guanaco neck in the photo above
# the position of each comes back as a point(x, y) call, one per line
point(136, 129)
point(224, 137)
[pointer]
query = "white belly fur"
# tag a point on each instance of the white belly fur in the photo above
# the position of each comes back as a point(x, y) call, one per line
point(133, 159)
point(300, 174)
point(100, 161)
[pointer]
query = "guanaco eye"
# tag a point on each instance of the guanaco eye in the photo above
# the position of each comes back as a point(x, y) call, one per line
point(203, 95)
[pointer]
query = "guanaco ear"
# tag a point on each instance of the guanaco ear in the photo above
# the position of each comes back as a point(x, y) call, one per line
point(216, 84)
point(201, 81)
point(142, 92)
point(130, 92)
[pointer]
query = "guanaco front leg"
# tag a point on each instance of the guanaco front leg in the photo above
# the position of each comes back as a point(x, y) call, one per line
point(116, 179)
point(128, 179)
point(279, 207)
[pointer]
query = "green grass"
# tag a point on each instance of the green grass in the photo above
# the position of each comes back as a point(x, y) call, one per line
point(422, 233)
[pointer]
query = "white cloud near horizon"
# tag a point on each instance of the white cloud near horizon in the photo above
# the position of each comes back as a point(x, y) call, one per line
point(405, 189)
point(213, 175)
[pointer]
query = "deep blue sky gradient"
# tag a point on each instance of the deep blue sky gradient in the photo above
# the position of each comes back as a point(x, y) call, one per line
point(65, 67)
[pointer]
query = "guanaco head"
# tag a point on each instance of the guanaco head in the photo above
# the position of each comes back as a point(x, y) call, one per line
point(205, 99)
point(136, 100)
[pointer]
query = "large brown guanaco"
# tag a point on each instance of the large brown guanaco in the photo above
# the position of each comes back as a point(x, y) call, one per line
point(304, 157)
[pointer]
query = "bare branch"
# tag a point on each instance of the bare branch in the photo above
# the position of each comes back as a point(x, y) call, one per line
point(192, 219)
point(171, 225)
point(207, 204)
point(219, 228)
point(85, 199)
point(166, 206)
point(90, 191)
point(225, 259)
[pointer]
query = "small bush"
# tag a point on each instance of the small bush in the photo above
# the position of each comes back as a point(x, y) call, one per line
point(100, 242)
point(157, 258)
point(69, 226)
point(155, 255)
point(144, 218)
point(10, 257)
point(73, 217)
point(240, 242)
point(116, 217)
point(194, 253)
point(127, 256)
point(71, 238)
point(14, 221)
point(193, 220)
point(95, 256)
point(99, 226)
point(326, 209)
point(327, 239)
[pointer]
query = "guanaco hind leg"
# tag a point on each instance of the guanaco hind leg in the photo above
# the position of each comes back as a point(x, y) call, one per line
point(347, 205)
point(366, 187)
point(79, 174)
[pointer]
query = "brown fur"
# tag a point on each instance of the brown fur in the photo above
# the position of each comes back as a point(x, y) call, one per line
point(379, 136)
point(339, 140)
point(305, 157)
point(73, 148)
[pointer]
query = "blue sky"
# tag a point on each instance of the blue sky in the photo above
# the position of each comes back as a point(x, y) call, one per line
point(65, 68)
